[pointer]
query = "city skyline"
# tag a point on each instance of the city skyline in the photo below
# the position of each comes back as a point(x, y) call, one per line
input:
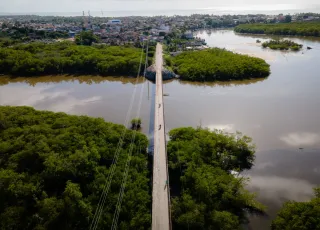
point(32, 6)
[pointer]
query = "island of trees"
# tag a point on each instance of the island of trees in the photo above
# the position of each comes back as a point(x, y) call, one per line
point(53, 168)
point(282, 45)
point(218, 65)
point(68, 58)
point(293, 28)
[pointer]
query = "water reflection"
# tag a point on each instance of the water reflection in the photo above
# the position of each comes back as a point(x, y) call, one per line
point(262, 36)
point(246, 44)
point(222, 84)
point(106, 97)
point(279, 175)
point(32, 81)
point(301, 139)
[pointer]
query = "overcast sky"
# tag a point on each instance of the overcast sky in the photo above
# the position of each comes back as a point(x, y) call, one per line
point(15, 6)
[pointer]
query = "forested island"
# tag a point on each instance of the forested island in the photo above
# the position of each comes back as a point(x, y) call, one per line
point(217, 64)
point(282, 45)
point(39, 58)
point(293, 28)
point(53, 168)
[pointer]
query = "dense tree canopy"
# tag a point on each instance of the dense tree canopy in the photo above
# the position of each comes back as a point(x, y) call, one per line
point(26, 34)
point(218, 65)
point(293, 28)
point(299, 215)
point(206, 195)
point(68, 58)
point(53, 168)
point(86, 38)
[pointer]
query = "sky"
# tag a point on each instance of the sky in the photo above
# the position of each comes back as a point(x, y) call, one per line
point(25, 6)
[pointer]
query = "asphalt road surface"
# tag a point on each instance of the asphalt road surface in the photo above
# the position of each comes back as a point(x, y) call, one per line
point(160, 194)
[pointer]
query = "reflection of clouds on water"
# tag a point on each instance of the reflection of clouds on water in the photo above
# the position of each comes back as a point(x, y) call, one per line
point(267, 56)
point(316, 170)
point(43, 97)
point(223, 127)
point(264, 165)
point(301, 139)
point(70, 103)
point(215, 93)
point(279, 189)
point(24, 95)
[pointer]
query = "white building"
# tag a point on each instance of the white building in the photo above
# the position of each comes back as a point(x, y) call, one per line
point(114, 22)
point(165, 28)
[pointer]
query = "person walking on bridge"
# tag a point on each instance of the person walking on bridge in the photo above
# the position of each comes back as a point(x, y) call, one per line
point(166, 184)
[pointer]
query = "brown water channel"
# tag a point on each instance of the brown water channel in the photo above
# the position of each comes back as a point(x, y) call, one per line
point(280, 113)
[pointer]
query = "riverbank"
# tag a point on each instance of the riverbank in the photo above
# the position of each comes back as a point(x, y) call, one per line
point(81, 79)
point(36, 59)
point(293, 28)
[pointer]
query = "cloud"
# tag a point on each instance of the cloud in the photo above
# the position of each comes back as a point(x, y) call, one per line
point(151, 5)
point(301, 139)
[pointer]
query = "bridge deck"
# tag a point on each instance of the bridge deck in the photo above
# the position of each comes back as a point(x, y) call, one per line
point(160, 193)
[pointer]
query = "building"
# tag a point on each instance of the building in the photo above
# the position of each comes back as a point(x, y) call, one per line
point(114, 22)
point(188, 35)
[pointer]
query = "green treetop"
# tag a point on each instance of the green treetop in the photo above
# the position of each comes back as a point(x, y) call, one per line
point(86, 38)
point(299, 215)
point(205, 193)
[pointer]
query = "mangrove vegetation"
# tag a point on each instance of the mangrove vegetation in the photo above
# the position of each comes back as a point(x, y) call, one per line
point(282, 45)
point(53, 169)
point(68, 58)
point(299, 215)
point(293, 28)
point(217, 64)
point(136, 123)
point(205, 192)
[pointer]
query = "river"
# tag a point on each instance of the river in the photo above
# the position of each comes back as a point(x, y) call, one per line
point(281, 113)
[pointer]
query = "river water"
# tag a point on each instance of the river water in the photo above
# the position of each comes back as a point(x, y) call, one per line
point(281, 113)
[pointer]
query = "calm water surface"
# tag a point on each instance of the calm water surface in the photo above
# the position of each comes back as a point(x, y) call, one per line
point(280, 113)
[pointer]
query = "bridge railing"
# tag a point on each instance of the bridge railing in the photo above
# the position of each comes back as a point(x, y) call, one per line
point(167, 162)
